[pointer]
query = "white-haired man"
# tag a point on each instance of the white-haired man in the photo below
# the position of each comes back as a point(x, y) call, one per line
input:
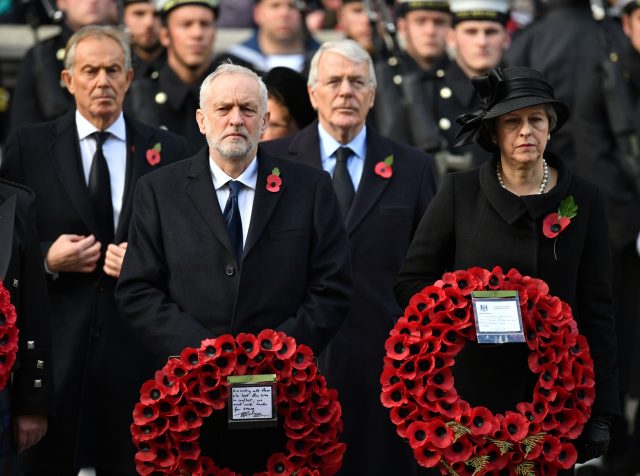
point(215, 249)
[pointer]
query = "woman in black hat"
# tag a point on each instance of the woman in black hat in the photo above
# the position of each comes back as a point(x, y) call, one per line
point(495, 216)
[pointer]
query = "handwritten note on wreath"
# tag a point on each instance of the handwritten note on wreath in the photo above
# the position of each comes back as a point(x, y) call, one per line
point(251, 402)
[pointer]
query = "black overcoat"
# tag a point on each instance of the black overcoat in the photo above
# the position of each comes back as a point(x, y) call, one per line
point(380, 225)
point(472, 221)
point(180, 281)
point(98, 366)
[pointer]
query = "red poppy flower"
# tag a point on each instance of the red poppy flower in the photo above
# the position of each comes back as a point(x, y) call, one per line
point(384, 168)
point(427, 457)
point(249, 343)
point(440, 435)
point(394, 396)
point(397, 346)
point(442, 379)
point(278, 463)
point(567, 456)
point(288, 346)
point(174, 369)
point(403, 413)
point(418, 432)
point(515, 426)
point(481, 421)
point(303, 357)
point(553, 224)
point(145, 413)
point(459, 450)
point(151, 392)
point(153, 155)
point(269, 341)
point(274, 182)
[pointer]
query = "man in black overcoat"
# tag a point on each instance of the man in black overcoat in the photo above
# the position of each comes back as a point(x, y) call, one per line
point(380, 220)
point(217, 247)
point(99, 366)
point(26, 401)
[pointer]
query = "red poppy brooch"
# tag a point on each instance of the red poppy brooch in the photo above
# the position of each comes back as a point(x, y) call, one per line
point(174, 406)
point(8, 335)
point(554, 223)
point(274, 181)
point(153, 154)
point(384, 168)
point(446, 431)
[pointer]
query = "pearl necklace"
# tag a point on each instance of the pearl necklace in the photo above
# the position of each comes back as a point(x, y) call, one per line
point(545, 177)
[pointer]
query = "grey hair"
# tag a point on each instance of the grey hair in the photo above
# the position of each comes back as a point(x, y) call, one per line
point(347, 48)
point(96, 31)
point(230, 68)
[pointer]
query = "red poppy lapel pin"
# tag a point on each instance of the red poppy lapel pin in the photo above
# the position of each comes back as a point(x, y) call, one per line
point(384, 168)
point(153, 154)
point(274, 181)
point(554, 223)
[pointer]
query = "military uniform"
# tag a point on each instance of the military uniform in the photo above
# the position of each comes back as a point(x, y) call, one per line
point(452, 96)
point(40, 94)
point(30, 391)
point(167, 102)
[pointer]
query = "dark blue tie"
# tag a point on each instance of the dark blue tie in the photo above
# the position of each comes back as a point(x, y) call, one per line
point(233, 220)
point(100, 190)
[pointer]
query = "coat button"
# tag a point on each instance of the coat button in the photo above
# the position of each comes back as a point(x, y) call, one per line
point(37, 383)
point(229, 270)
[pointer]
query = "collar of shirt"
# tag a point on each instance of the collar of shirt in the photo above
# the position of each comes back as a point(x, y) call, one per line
point(355, 163)
point(85, 128)
point(248, 178)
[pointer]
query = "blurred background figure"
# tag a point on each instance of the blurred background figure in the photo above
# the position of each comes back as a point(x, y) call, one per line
point(170, 99)
point(142, 22)
point(280, 38)
point(353, 21)
point(606, 130)
point(40, 94)
point(236, 14)
point(424, 28)
point(288, 103)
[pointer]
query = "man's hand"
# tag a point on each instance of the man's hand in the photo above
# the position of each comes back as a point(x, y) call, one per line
point(73, 253)
point(28, 430)
point(113, 259)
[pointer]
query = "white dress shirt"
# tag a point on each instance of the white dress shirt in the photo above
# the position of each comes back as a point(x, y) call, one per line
point(355, 163)
point(248, 178)
point(115, 153)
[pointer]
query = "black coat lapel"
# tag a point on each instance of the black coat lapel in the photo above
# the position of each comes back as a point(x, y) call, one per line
point(200, 190)
point(305, 146)
point(7, 222)
point(371, 185)
point(138, 142)
point(66, 160)
point(264, 202)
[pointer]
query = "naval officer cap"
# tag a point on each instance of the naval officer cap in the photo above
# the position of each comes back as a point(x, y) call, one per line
point(405, 6)
point(167, 6)
point(480, 10)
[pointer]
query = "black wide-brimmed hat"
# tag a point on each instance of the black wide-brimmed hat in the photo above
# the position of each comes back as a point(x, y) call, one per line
point(503, 91)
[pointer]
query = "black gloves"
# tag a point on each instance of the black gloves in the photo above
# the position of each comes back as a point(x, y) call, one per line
point(594, 440)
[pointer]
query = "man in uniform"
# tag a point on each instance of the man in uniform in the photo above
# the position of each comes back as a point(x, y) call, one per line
point(40, 95)
point(424, 27)
point(142, 22)
point(170, 99)
point(479, 39)
point(280, 39)
point(381, 213)
point(83, 168)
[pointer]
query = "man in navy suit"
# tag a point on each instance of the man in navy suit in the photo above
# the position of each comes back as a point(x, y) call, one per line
point(383, 188)
point(83, 168)
point(218, 246)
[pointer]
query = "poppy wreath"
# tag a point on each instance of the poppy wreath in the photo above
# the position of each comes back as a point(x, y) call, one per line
point(167, 420)
point(443, 429)
point(8, 335)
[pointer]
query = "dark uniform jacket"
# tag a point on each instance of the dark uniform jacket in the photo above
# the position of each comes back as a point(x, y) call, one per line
point(564, 45)
point(452, 96)
point(99, 365)
point(473, 221)
point(380, 225)
point(21, 271)
point(165, 101)
point(39, 94)
point(180, 282)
